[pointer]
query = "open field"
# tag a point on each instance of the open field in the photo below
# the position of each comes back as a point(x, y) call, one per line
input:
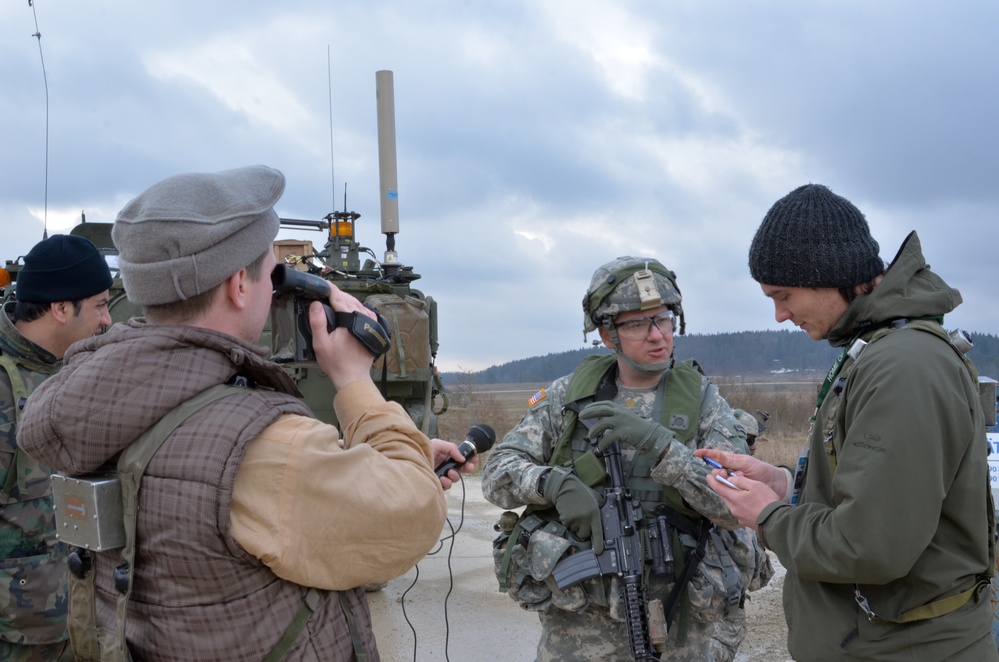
point(789, 403)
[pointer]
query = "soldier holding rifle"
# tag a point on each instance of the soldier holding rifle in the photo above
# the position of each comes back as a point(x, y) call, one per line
point(623, 549)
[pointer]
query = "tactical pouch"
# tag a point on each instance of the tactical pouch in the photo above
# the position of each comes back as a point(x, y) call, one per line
point(590, 469)
point(410, 358)
point(524, 556)
point(45, 575)
point(282, 329)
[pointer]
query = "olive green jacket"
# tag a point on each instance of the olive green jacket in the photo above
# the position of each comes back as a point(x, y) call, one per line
point(901, 514)
point(34, 599)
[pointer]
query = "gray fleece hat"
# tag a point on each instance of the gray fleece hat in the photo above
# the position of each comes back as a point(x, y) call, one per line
point(188, 233)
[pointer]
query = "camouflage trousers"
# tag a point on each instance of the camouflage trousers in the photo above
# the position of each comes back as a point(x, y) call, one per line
point(593, 635)
point(727, 636)
point(58, 652)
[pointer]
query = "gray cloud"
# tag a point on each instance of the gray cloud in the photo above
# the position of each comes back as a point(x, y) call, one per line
point(536, 140)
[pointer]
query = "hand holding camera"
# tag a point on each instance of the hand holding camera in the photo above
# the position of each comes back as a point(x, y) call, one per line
point(365, 324)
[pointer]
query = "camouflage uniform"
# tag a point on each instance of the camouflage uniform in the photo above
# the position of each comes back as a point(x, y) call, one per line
point(32, 563)
point(510, 477)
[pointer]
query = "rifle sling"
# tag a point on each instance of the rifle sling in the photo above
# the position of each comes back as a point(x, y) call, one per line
point(690, 565)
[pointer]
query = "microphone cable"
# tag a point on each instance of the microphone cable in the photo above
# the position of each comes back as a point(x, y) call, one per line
point(450, 575)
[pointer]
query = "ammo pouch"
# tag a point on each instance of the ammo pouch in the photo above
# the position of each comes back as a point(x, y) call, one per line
point(524, 554)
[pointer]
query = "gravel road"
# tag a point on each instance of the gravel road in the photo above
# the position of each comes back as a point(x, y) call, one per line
point(451, 602)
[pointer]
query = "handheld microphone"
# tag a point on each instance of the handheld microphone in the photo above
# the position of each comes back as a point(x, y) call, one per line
point(478, 440)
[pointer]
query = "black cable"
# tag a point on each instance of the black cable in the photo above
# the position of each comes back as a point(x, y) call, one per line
point(440, 545)
point(450, 574)
point(402, 601)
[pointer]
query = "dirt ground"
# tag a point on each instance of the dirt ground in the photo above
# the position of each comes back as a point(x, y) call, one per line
point(449, 608)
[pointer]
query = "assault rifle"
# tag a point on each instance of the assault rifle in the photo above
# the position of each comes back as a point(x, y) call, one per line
point(623, 556)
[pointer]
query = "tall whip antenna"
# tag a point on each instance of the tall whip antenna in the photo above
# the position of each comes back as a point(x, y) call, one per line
point(329, 84)
point(38, 36)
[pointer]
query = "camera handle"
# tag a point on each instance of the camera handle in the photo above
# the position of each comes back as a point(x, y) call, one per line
point(373, 334)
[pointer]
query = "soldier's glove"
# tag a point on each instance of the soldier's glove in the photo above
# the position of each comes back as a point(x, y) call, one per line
point(578, 506)
point(618, 423)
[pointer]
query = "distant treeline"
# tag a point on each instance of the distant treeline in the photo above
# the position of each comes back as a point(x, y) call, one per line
point(731, 355)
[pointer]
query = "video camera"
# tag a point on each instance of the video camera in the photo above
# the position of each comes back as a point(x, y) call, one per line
point(299, 289)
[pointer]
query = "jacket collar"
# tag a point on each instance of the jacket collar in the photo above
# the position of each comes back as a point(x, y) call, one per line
point(909, 289)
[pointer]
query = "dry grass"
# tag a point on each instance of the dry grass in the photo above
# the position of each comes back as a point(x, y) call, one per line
point(790, 406)
point(499, 406)
point(502, 405)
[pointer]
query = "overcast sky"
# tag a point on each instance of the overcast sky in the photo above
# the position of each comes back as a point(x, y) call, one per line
point(536, 139)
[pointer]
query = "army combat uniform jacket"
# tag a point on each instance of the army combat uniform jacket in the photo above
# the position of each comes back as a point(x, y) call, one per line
point(894, 511)
point(33, 600)
point(509, 479)
point(248, 502)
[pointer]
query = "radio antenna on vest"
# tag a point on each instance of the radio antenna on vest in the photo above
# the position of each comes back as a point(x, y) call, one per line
point(38, 35)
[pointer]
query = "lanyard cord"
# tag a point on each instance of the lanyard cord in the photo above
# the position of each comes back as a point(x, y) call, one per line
point(841, 359)
point(831, 377)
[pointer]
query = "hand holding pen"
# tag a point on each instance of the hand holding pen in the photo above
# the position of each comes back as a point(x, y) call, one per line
point(721, 479)
point(749, 483)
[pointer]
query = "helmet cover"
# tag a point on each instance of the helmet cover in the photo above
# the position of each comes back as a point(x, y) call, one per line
point(629, 283)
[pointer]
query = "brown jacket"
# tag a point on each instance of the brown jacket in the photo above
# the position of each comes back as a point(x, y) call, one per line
point(197, 593)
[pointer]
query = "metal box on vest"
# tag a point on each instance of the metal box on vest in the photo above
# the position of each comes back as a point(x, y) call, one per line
point(88, 511)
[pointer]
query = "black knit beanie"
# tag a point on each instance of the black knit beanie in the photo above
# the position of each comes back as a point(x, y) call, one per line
point(814, 238)
point(64, 267)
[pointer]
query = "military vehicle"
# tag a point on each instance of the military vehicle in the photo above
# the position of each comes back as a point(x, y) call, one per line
point(406, 373)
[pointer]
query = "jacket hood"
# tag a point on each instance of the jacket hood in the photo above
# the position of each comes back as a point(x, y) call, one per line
point(909, 289)
point(113, 387)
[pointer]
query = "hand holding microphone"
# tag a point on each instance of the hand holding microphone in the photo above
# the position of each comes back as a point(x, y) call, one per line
point(478, 440)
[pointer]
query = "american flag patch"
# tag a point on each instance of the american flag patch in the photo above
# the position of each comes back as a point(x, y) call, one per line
point(536, 398)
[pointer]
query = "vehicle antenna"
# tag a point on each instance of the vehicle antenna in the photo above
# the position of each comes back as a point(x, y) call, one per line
point(38, 35)
point(329, 84)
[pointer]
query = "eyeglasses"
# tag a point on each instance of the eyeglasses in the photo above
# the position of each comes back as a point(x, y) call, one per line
point(640, 326)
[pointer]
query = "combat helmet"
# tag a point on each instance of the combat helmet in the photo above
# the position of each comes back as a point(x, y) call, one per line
point(629, 283)
point(749, 422)
point(625, 284)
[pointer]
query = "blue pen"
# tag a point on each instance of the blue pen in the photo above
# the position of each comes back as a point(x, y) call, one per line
point(721, 479)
